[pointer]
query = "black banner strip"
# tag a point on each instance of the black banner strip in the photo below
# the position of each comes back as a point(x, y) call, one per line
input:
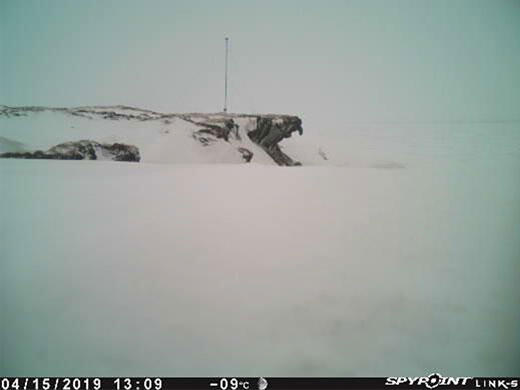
point(254, 383)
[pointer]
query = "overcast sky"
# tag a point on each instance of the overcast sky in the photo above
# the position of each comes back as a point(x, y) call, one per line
point(329, 62)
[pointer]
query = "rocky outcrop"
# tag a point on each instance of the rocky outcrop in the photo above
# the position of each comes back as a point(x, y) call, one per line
point(225, 135)
point(270, 130)
point(82, 150)
point(215, 131)
point(103, 112)
point(247, 155)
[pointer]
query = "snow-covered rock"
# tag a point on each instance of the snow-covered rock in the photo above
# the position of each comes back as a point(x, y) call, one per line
point(159, 137)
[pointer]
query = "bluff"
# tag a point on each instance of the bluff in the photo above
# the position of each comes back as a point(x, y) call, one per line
point(149, 136)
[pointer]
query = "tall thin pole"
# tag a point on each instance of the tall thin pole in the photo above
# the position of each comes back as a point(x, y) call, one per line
point(226, 76)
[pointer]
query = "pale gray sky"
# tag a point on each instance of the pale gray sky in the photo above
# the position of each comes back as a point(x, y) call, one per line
point(330, 61)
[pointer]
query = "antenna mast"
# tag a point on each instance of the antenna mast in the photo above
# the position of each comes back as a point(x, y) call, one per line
point(226, 75)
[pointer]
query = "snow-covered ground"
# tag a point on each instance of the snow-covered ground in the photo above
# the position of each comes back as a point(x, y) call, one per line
point(401, 258)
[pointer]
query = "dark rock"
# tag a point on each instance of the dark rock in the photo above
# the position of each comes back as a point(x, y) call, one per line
point(233, 128)
point(270, 130)
point(215, 131)
point(82, 150)
point(204, 139)
point(123, 152)
point(247, 155)
point(77, 150)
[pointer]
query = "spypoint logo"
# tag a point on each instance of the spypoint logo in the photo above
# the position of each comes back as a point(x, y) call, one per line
point(431, 381)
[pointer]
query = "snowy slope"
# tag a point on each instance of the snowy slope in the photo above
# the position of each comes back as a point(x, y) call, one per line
point(161, 138)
